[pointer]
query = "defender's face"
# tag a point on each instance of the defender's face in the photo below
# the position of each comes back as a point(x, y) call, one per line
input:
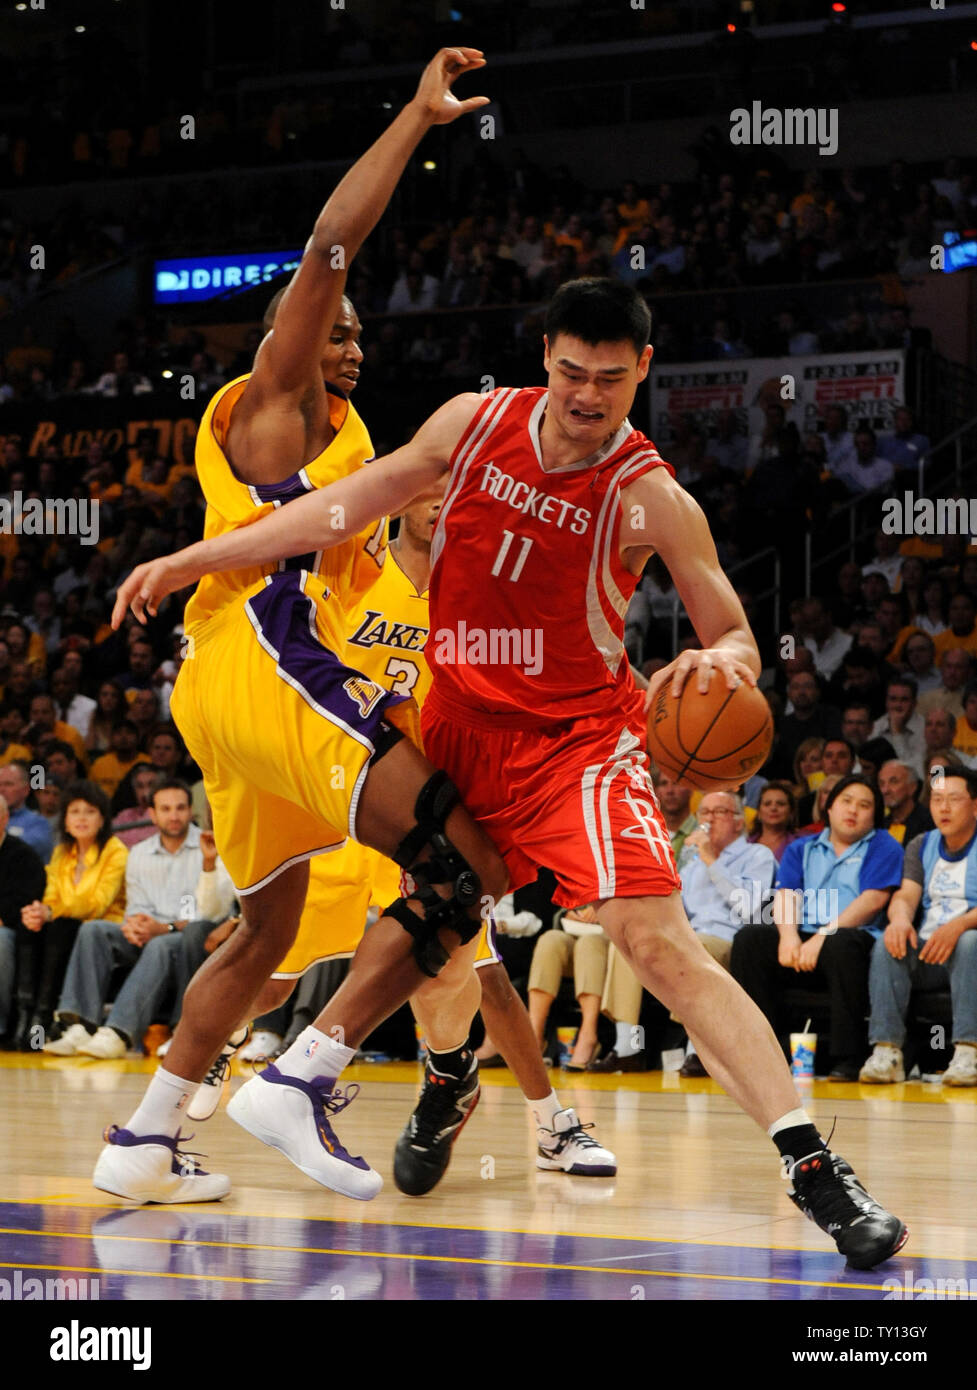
point(591, 389)
point(342, 357)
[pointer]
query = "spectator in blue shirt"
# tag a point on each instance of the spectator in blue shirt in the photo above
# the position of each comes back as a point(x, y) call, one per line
point(725, 879)
point(25, 824)
point(905, 446)
point(931, 939)
point(832, 890)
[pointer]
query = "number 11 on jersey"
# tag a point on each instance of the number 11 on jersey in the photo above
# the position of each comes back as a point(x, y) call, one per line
point(507, 539)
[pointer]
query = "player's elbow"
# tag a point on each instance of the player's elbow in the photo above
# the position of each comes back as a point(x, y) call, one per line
point(332, 242)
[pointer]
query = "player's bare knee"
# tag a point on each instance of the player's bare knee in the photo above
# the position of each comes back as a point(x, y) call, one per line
point(272, 996)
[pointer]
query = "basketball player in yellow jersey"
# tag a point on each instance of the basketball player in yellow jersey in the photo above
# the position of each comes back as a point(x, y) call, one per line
point(297, 749)
point(387, 635)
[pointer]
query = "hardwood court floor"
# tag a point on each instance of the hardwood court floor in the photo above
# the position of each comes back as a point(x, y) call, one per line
point(697, 1210)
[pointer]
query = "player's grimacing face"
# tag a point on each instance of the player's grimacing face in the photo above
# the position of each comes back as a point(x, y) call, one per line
point(592, 388)
point(421, 517)
point(343, 355)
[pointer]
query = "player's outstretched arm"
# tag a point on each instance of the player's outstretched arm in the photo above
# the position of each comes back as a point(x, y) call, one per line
point(657, 512)
point(317, 521)
point(289, 358)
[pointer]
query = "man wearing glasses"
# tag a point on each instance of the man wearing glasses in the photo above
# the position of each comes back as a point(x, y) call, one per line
point(930, 941)
point(724, 881)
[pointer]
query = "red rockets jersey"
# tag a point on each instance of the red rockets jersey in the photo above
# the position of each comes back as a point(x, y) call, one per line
point(528, 592)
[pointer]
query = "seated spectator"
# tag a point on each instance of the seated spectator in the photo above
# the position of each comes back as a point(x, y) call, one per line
point(839, 443)
point(724, 881)
point(110, 708)
point(12, 723)
point(939, 731)
point(860, 678)
point(45, 723)
point(821, 794)
point(826, 643)
point(144, 711)
point(918, 656)
point(622, 996)
point(165, 877)
point(76, 709)
point(931, 613)
point(856, 723)
point(893, 618)
point(965, 734)
point(121, 380)
point(872, 755)
point(902, 725)
point(900, 784)
point(776, 818)
point(807, 766)
point(576, 948)
point(143, 778)
point(930, 942)
point(109, 770)
point(962, 632)
point(866, 472)
point(23, 823)
point(60, 762)
point(846, 876)
point(729, 445)
point(809, 718)
point(142, 663)
point(21, 882)
point(887, 560)
point(837, 760)
point(905, 448)
point(85, 880)
point(955, 667)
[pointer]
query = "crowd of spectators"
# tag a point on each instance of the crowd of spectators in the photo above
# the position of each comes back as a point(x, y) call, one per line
point(519, 233)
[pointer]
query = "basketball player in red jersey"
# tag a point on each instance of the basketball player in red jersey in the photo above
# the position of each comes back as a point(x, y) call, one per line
point(554, 504)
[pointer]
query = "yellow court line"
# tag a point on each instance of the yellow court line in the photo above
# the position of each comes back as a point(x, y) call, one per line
point(718, 1243)
point(436, 1259)
point(141, 1273)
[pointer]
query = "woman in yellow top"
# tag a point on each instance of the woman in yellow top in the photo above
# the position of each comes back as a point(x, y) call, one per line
point(85, 882)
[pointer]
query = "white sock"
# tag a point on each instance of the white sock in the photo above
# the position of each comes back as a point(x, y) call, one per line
point(789, 1121)
point(623, 1039)
point(545, 1109)
point(162, 1108)
point(314, 1054)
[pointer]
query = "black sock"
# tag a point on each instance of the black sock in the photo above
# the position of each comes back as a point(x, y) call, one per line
point(798, 1141)
point(454, 1063)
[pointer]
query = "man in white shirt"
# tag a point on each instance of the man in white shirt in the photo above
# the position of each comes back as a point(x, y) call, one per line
point(839, 443)
point(174, 883)
point(826, 643)
point(886, 559)
point(73, 708)
point(866, 471)
point(931, 938)
point(902, 724)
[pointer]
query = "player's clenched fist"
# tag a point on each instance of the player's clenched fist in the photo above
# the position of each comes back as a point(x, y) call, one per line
point(434, 96)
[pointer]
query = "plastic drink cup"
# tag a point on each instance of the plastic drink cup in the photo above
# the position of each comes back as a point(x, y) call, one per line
point(803, 1047)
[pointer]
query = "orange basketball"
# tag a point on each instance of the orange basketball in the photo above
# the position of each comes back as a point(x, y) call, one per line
point(714, 740)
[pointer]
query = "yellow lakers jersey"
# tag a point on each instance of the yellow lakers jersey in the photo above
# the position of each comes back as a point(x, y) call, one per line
point(347, 570)
point(387, 631)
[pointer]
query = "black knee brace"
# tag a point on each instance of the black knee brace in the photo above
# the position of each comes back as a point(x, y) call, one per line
point(445, 865)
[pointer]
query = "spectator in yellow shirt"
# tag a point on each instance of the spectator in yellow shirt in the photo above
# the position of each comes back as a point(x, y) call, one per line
point(962, 631)
point(965, 738)
point(109, 770)
point(46, 725)
point(85, 881)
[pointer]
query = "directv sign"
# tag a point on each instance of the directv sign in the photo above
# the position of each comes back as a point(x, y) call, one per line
point(961, 251)
point(194, 278)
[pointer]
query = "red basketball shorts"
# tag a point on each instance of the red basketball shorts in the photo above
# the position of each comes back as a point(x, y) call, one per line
point(574, 797)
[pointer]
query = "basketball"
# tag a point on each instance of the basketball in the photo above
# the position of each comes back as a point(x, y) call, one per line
point(713, 740)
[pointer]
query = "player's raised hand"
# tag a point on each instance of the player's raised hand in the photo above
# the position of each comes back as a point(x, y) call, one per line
point(147, 586)
point(434, 95)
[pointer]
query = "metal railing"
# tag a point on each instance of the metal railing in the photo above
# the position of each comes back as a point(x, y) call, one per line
point(926, 476)
point(773, 592)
